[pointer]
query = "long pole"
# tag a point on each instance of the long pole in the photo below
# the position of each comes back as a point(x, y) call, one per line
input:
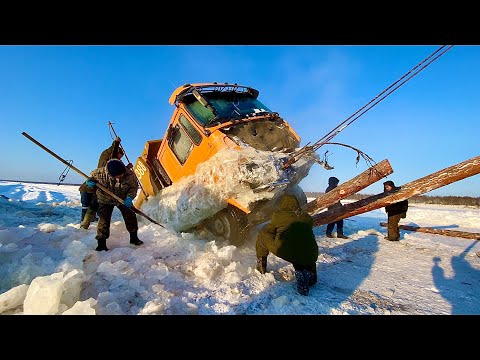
point(417, 187)
point(377, 99)
point(352, 186)
point(139, 182)
point(100, 186)
point(445, 232)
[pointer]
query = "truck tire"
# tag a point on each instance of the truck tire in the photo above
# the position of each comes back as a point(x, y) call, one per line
point(230, 224)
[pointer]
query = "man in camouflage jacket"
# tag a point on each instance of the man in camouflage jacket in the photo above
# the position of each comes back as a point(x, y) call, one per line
point(88, 195)
point(121, 181)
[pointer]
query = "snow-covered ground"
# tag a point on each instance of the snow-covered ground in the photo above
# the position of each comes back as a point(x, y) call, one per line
point(48, 265)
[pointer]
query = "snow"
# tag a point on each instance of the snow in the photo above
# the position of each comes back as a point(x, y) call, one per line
point(48, 265)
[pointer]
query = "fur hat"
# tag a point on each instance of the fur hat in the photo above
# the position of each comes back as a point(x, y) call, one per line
point(116, 167)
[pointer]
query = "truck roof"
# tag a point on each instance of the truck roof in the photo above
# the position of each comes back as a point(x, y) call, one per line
point(186, 89)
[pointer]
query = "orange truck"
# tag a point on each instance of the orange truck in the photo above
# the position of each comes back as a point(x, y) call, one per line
point(209, 117)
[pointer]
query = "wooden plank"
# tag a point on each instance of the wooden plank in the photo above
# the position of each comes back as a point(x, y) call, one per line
point(352, 186)
point(428, 183)
point(445, 232)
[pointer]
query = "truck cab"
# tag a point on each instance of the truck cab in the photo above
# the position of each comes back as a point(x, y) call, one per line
point(207, 118)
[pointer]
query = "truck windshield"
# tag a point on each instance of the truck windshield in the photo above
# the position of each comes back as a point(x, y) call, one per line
point(228, 106)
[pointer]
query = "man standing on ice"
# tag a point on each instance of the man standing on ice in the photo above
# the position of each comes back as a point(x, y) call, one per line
point(121, 181)
point(395, 212)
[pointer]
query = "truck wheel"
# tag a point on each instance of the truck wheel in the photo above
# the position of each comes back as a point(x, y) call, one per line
point(231, 224)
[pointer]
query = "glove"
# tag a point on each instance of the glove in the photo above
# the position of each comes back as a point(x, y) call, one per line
point(128, 201)
point(91, 183)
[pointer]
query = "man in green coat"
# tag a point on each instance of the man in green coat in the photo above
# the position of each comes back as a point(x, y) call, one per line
point(115, 151)
point(290, 236)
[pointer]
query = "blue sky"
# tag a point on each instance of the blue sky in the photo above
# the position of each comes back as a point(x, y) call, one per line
point(64, 96)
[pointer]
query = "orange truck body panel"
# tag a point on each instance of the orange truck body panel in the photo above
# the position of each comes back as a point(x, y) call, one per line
point(194, 134)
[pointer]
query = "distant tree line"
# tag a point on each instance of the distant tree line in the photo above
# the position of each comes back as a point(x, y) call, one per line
point(419, 199)
point(42, 182)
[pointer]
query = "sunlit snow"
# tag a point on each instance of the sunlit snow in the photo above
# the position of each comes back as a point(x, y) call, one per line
point(48, 265)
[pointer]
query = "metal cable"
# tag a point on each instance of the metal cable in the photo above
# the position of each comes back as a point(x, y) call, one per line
point(377, 99)
point(333, 133)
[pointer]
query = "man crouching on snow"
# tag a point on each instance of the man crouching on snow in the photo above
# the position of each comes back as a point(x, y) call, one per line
point(290, 236)
point(122, 182)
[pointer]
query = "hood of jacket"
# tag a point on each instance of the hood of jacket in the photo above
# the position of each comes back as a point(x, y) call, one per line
point(391, 183)
point(333, 181)
point(289, 203)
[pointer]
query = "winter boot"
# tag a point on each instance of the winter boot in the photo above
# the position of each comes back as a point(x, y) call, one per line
point(329, 235)
point(302, 282)
point(84, 211)
point(262, 264)
point(391, 239)
point(308, 275)
point(341, 236)
point(102, 245)
point(87, 219)
point(312, 279)
point(134, 239)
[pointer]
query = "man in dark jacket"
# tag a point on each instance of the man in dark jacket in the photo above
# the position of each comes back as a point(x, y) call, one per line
point(87, 195)
point(290, 236)
point(121, 181)
point(395, 212)
point(332, 184)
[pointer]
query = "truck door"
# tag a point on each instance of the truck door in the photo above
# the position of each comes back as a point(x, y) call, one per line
point(182, 140)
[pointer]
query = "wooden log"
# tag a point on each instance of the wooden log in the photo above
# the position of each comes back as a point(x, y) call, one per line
point(420, 186)
point(453, 233)
point(352, 186)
